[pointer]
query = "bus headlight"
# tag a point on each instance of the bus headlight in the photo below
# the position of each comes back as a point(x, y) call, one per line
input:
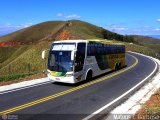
point(69, 75)
point(48, 72)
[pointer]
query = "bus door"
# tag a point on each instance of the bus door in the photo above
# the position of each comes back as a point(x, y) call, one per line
point(79, 60)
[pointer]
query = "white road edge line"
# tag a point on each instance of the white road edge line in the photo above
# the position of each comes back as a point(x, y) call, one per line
point(23, 85)
point(21, 88)
point(124, 94)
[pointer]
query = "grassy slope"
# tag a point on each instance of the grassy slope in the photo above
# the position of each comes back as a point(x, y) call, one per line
point(155, 47)
point(84, 30)
point(30, 37)
point(152, 44)
point(34, 33)
point(20, 63)
point(5, 53)
point(9, 54)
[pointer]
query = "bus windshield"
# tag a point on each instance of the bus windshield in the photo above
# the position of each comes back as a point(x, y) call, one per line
point(60, 61)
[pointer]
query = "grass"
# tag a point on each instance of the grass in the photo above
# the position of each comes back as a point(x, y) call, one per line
point(5, 53)
point(155, 47)
point(14, 77)
point(9, 54)
point(29, 61)
point(85, 30)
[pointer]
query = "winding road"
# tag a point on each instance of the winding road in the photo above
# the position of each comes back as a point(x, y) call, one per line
point(67, 102)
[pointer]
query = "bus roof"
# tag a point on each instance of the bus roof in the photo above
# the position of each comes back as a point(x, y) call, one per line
point(89, 40)
point(69, 41)
point(104, 41)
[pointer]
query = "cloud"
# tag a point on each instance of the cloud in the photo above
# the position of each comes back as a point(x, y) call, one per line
point(125, 29)
point(26, 25)
point(9, 28)
point(157, 29)
point(60, 14)
point(111, 25)
point(142, 31)
point(119, 28)
point(74, 16)
point(116, 28)
point(158, 20)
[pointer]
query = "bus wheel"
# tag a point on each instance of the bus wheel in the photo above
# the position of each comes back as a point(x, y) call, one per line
point(89, 76)
point(119, 66)
point(116, 67)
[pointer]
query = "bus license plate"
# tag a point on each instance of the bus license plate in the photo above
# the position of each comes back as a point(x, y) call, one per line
point(57, 79)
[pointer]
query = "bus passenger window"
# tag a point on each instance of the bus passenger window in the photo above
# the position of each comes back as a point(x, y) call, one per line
point(80, 56)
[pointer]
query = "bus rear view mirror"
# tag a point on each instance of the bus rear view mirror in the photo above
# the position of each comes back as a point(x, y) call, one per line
point(43, 54)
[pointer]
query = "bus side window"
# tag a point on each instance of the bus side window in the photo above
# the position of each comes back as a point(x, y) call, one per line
point(109, 49)
point(93, 49)
point(89, 49)
point(80, 56)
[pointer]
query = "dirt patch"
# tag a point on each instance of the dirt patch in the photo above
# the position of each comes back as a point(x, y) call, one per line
point(66, 35)
point(9, 44)
point(150, 110)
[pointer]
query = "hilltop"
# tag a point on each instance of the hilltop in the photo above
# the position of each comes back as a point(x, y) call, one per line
point(72, 29)
point(53, 30)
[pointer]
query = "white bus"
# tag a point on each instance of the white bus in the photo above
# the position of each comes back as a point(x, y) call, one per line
point(72, 61)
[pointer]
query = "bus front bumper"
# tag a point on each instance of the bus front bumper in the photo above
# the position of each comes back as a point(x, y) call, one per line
point(69, 79)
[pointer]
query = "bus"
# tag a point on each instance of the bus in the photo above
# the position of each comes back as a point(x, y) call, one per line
point(72, 61)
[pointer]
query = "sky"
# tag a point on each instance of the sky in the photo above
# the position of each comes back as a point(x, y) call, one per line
point(140, 17)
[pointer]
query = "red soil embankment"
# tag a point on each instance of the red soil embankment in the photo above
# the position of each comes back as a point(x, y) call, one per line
point(65, 35)
point(9, 44)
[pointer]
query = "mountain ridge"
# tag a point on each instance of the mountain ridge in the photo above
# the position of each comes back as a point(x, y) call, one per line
point(51, 29)
point(154, 36)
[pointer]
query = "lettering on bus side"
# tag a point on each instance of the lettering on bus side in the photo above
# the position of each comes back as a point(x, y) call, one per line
point(116, 56)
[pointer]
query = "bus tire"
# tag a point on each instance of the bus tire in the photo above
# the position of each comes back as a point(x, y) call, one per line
point(116, 67)
point(119, 67)
point(89, 76)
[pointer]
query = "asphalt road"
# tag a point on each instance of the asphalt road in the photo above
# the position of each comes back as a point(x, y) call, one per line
point(67, 102)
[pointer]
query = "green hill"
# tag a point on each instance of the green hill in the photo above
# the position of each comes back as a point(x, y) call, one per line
point(49, 31)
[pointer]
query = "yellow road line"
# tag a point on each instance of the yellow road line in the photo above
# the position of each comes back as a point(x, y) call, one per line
point(11, 110)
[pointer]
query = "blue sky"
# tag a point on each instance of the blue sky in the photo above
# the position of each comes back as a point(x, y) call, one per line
point(140, 17)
